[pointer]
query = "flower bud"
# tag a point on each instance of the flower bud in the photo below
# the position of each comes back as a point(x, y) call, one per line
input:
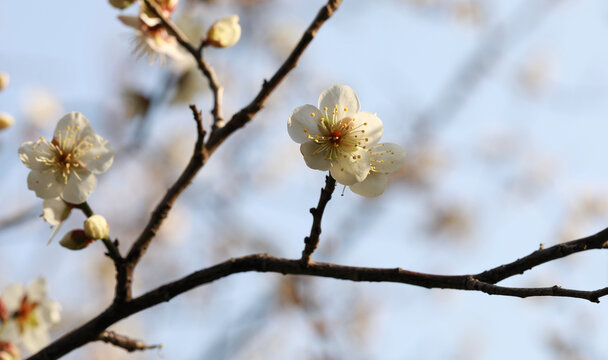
point(76, 240)
point(6, 120)
point(121, 4)
point(96, 227)
point(225, 32)
point(4, 80)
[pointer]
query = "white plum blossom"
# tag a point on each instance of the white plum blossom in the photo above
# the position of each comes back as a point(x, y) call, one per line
point(66, 166)
point(384, 158)
point(336, 136)
point(29, 315)
point(224, 32)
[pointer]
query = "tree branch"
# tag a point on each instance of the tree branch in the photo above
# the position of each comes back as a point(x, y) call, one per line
point(124, 342)
point(203, 151)
point(312, 241)
point(265, 263)
point(198, 159)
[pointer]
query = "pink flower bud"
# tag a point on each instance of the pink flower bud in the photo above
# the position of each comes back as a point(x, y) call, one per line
point(121, 4)
point(76, 240)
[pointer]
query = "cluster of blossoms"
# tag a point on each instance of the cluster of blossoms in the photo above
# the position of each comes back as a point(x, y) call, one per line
point(63, 169)
point(6, 120)
point(25, 318)
point(338, 137)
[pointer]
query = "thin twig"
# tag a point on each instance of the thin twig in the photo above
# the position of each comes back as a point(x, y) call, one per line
point(242, 117)
point(202, 152)
point(197, 54)
point(124, 342)
point(198, 159)
point(544, 255)
point(312, 241)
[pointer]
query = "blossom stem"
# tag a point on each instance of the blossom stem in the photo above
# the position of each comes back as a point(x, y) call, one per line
point(113, 251)
point(312, 241)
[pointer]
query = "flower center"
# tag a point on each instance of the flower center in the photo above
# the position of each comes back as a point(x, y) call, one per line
point(339, 136)
point(335, 138)
point(25, 315)
point(62, 153)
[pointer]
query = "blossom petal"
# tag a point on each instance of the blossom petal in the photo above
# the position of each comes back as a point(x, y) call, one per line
point(303, 123)
point(50, 311)
point(35, 338)
point(99, 157)
point(36, 291)
point(12, 295)
point(28, 155)
point(314, 160)
point(75, 122)
point(387, 157)
point(351, 168)
point(370, 127)
point(10, 331)
point(373, 185)
point(44, 184)
point(77, 192)
point(54, 210)
point(342, 96)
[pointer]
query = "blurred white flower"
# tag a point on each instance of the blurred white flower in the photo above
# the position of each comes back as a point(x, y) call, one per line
point(41, 107)
point(336, 136)
point(384, 159)
point(65, 166)
point(153, 41)
point(224, 32)
point(31, 315)
point(148, 16)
